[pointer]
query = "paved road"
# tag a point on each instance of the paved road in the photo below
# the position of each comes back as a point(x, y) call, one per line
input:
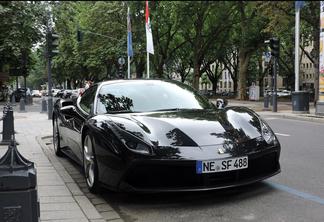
point(297, 194)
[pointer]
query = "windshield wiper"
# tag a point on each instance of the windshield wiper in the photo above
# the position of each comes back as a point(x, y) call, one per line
point(120, 111)
point(158, 110)
point(175, 109)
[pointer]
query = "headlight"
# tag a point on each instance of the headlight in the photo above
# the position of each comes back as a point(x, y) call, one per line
point(130, 141)
point(267, 133)
point(134, 143)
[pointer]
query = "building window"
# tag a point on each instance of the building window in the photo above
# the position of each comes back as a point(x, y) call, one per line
point(225, 85)
point(304, 65)
point(220, 84)
point(307, 65)
point(230, 85)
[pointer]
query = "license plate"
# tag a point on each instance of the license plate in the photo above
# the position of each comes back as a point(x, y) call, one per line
point(213, 166)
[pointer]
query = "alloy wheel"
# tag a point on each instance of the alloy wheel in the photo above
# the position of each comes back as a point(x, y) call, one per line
point(88, 161)
point(56, 136)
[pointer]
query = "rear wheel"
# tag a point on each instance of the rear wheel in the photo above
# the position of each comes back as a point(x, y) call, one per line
point(56, 138)
point(90, 165)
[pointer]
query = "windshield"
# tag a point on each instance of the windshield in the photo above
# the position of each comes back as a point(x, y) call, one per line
point(147, 96)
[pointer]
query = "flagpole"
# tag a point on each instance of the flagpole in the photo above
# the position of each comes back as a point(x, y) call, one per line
point(129, 44)
point(148, 65)
point(128, 70)
point(297, 19)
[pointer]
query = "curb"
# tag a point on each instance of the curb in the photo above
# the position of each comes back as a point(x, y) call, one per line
point(73, 181)
point(309, 118)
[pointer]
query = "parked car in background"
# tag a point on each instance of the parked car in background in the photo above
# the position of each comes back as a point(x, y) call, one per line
point(36, 93)
point(77, 92)
point(20, 93)
point(55, 91)
point(282, 93)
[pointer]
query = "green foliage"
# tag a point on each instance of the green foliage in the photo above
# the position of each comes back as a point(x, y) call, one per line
point(190, 37)
point(20, 29)
point(37, 75)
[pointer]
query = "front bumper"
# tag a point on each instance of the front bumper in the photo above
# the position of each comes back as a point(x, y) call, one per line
point(180, 175)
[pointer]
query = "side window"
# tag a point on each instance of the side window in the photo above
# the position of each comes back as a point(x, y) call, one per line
point(87, 99)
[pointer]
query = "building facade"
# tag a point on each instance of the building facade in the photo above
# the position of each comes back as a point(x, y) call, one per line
point(307, 70)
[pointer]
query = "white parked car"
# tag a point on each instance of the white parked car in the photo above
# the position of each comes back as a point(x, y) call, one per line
point(55, 91)
point(36, 93)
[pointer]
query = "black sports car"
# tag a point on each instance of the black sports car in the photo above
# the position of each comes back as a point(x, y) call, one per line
point(155, 135)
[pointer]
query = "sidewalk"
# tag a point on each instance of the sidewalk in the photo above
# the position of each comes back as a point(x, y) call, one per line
point(284, 110)
point(60, 197)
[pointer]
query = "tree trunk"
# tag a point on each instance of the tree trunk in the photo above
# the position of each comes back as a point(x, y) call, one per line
point(235, 86)
point(244, 58)
point(214, 85)
point(159, 71)
point(68, 84)
point(108, 71)
point(196, 76)
point(140, 66)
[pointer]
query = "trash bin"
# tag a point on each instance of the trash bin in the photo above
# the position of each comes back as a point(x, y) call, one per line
point(18, 188)
point(300, 102)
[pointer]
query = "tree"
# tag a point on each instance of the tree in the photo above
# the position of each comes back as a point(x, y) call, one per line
point(214, 72)
point(20, 29)
point(250, 37)
point(209, 21)
point(37, 74)
point(166, 35)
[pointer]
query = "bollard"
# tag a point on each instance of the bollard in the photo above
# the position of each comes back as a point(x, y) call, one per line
point(22, 105)
point(8, 125)
point(18, 187)
point(44, 105)
point(266, 103)
point(29, 100)
point(26, 100)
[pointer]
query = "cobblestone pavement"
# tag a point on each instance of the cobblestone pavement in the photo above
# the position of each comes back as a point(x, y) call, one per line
point(79, 186)
point(60, 197)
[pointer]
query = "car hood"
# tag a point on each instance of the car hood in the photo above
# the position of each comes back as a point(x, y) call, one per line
point(192, 128)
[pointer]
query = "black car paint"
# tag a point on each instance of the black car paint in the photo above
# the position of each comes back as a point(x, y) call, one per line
point(176, 137)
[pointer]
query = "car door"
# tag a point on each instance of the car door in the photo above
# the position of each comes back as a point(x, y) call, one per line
point(83, 108)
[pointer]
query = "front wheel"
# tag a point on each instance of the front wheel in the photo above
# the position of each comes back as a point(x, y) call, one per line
point(90, 165)
point(56, 139)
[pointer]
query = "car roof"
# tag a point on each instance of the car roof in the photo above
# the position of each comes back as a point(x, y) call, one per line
point(108, 82)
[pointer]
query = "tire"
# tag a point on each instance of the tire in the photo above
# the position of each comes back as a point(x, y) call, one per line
point(90, 167)
point(56, 139)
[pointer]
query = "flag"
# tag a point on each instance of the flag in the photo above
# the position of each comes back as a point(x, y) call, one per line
point(149, 37)
point(129, 35)
point(299, 4)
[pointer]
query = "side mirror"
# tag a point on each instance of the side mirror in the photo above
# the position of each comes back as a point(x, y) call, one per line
point(221, 103)
point(68, 110)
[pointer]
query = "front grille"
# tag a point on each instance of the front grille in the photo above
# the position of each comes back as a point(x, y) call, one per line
point(179, 175)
